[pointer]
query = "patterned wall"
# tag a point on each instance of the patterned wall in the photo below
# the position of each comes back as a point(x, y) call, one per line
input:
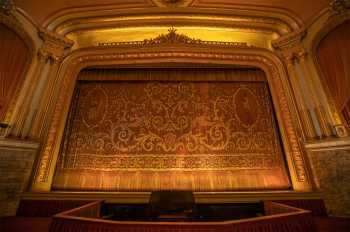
point(146, 135)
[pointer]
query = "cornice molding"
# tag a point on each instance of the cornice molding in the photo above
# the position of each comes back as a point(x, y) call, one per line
point(55, 38)
point(18, 144)
point(291, 46)
point(290, 40)
point(329, 144)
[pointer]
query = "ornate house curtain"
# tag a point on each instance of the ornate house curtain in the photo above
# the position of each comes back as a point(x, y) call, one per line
point(13, 58)
point(174, 129)
point(334, 58)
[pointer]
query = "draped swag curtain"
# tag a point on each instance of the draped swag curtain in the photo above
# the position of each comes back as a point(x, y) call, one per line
point(155, 129)
point(13, 59)
point(334, 58)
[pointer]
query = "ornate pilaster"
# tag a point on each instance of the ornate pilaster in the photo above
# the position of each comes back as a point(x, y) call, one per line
point(308, 130)
point(318, 109)
point(52, 51)
point(315, 121)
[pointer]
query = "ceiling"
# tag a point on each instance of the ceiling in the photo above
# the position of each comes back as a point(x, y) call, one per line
point(42, 10)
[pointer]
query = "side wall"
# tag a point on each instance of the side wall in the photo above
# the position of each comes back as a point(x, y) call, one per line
point(329, 158)
point(16, 163)
point(331, 169)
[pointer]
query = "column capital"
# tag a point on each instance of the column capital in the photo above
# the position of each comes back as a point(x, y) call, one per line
point(290, 40)
point(7, 6)
point(291, 54)
point(54, 45)
point(339, 6)
point(291, 46)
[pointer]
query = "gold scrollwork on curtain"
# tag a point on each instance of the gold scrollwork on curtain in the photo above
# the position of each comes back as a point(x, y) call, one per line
point(203, 132)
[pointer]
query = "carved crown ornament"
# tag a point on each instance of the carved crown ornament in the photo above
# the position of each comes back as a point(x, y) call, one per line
point(172, 3)
point(172, 37)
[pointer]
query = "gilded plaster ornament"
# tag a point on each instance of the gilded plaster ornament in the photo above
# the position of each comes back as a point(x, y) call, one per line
point(172, 3)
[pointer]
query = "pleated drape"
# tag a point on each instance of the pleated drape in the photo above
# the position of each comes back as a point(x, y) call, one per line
point(13, 58)
point(334, 57)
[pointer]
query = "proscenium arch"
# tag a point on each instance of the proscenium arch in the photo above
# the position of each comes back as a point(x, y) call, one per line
point(177, 53)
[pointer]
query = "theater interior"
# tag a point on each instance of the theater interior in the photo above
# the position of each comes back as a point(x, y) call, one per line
point(174, 115)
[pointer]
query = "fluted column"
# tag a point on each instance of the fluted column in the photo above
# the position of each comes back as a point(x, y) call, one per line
point(308, 130)
point(52, 51)
point(323, 120)
point(313, 110)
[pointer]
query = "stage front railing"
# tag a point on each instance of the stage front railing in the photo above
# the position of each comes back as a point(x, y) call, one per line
point(278, 217)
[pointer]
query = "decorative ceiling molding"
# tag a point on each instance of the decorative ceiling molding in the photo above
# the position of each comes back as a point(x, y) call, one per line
point(253, 17)
point(172, 37)
point(185, 18)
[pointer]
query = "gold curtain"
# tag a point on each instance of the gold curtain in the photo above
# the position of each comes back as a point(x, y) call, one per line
point(156, 129)
point(13, 58)
point(334, 58)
